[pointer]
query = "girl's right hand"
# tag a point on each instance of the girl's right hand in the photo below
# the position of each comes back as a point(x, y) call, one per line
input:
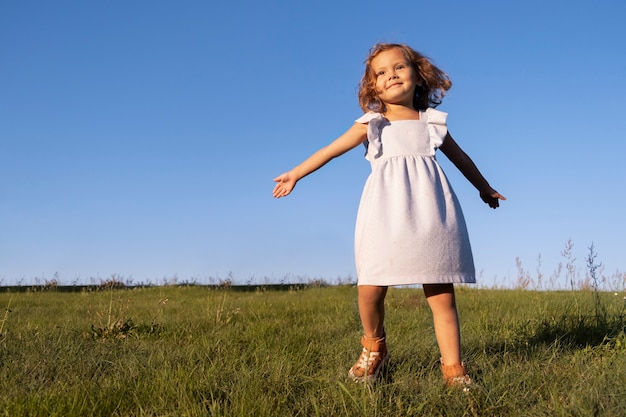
point(285, 183)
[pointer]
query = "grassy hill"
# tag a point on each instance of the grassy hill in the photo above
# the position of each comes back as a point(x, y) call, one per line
point(198, 351)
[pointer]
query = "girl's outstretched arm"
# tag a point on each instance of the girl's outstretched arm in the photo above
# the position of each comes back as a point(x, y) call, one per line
point(349, 140)
point(467, 167)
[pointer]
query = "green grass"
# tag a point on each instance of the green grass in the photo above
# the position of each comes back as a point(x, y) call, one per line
point(193, 351)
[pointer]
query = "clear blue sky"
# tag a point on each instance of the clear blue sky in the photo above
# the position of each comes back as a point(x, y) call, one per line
point(141, 138)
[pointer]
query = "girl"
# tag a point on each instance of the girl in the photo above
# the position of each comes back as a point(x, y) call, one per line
point(409, 227)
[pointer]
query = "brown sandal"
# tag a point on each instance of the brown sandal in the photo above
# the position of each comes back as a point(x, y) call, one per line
point(373, 358)
point(456, 376)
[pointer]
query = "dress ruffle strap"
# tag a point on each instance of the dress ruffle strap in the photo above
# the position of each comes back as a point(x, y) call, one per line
point(437, 128)
point(374, 145)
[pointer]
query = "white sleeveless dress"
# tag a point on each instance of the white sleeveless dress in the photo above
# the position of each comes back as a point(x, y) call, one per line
point(410, 228)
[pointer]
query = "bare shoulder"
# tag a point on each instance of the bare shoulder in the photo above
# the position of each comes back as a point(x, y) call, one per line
point(357, 132)
point(452, 150)
point(351, 138)
point(449, 144)
point(360, 127)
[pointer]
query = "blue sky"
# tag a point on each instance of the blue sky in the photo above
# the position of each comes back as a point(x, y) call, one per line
point(141, 138)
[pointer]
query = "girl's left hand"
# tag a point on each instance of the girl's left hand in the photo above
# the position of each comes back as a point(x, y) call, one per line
point(492, 198)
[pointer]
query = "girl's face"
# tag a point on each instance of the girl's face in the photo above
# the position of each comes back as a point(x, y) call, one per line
point(395, 78)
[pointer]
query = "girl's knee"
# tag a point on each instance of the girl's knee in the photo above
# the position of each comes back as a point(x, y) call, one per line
point(438, 289)
point(372, 294)
point(440, 297)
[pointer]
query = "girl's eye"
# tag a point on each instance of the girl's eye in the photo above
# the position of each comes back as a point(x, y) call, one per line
point(400, 66)
point(379, 73)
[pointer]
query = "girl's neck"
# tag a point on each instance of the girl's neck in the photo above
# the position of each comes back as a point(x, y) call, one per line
point(396, 112)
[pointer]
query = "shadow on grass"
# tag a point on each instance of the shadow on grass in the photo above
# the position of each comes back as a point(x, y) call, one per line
point(576, 332)
point(568, 332)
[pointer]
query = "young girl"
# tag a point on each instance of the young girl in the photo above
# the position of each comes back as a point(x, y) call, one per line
point(409, 227)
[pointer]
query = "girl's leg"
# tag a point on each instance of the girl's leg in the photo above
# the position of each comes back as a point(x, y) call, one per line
point(374, 354)
point(372, 309)
point(442, 303)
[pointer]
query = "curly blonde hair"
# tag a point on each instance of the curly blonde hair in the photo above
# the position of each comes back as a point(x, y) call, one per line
point(432, 82)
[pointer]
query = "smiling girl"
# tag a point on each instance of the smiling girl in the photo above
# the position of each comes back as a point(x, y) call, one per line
point(410, 228)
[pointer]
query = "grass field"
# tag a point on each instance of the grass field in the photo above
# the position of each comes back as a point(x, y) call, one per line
point(198, 351)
